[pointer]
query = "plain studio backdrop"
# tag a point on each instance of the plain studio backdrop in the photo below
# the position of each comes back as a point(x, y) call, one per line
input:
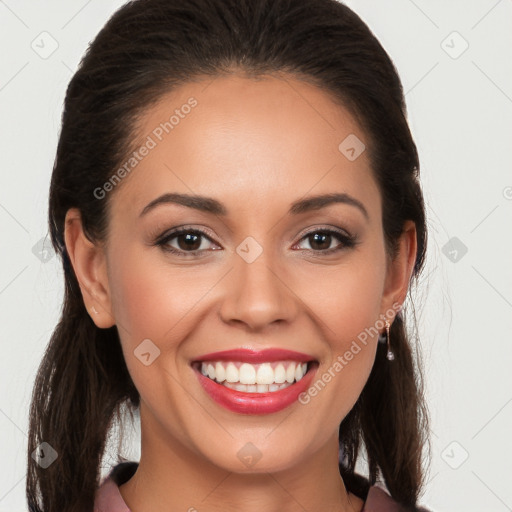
point(455, 62)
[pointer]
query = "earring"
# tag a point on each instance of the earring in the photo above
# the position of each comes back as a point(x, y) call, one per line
point(390, 354)
point(94, 310)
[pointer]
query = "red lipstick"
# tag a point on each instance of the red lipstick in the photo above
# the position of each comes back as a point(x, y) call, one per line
point(256, 356)
point(255, 403)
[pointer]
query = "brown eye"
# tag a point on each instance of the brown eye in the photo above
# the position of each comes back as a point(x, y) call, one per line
point(320, 241)
point(189, 242)
point(185, 241)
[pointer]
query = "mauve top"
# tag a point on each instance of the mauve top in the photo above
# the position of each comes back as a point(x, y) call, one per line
point(109, 499)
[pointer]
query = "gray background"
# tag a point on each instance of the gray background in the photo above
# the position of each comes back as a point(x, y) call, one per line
point(460, 111)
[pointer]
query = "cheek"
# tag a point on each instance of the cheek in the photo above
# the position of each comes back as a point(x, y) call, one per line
point(153, 300)
point(347, 298)
point(347, 319)
point(139, 300)
point(346, 301)
point(149, 298)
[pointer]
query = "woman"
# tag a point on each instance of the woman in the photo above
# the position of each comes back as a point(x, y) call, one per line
point(236, 202)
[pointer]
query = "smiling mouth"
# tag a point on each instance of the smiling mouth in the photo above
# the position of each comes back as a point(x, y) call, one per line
point(266, 377)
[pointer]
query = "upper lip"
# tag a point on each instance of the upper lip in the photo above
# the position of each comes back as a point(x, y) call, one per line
point(256, 356)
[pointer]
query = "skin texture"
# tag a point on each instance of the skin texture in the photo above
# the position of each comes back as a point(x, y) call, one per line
point(256, 146)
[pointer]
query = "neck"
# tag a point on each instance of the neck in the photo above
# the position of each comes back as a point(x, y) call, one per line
point(170, 477)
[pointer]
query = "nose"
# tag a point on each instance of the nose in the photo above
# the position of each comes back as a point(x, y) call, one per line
point(257, 294)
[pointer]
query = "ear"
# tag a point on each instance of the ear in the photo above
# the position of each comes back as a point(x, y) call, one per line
point(399, 270)
point(89, 263)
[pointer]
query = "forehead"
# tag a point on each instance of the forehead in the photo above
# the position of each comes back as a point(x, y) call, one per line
point(271, 140)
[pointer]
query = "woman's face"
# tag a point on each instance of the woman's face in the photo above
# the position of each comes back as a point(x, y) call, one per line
point(259, 266)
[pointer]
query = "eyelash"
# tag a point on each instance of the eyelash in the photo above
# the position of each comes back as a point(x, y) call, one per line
point(347, 241)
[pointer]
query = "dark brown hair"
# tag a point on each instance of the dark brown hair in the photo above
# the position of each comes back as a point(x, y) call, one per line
point(146, 49)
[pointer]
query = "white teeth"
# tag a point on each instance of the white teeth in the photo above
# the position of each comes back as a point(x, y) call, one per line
point(290, 373)
point(231, 373)
point(298, 372)
point(247, 374)
point(265, 374)
point(258, 378)
point(260, 388)
point(279, 374)
point(220, 373)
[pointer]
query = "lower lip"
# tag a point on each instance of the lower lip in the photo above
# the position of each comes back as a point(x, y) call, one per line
point(255, 403)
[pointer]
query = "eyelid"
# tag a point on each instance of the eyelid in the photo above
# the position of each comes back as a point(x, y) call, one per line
point(325, 228)
point(168, 234)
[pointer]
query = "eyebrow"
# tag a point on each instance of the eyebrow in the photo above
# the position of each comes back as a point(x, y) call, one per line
point(210, 205)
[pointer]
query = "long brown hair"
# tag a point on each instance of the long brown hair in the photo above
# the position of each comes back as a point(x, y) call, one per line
point(146, 49)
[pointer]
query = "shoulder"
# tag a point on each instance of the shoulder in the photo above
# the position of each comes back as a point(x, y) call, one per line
point(108, 497)
point(378, 500)
point(375, 497)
